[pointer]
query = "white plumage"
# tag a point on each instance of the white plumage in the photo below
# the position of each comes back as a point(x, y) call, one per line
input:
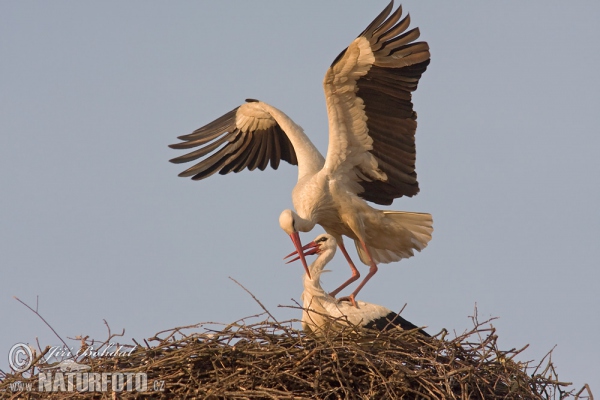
point(371, 153)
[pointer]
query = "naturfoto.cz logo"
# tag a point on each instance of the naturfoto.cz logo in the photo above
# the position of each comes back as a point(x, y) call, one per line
point(92, 381)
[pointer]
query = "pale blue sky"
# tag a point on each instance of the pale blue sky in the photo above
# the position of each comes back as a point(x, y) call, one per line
point(96, 222)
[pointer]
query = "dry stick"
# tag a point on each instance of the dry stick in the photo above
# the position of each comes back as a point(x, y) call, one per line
point(548, 354)
point(585, 387)
point(38, 358)
point(255, 299)
point(390, 322)
point(110, 334)
point(42, 318)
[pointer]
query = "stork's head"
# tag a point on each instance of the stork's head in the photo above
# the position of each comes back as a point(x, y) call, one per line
point(322, 244)
point(286, 221)
point(291, 223)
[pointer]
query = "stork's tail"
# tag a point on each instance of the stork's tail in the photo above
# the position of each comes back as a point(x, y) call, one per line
point(404, 232)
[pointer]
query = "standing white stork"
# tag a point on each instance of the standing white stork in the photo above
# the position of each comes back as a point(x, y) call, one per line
point(371, 154)
point(321, 310)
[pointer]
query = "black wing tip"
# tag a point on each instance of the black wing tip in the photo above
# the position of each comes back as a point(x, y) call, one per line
point(252, 101)
point(176, 146)
point(379, 19)
point(392, 320)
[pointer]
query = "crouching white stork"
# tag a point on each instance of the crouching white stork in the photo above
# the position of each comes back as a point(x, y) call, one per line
point(321, 310)
point(371, 154)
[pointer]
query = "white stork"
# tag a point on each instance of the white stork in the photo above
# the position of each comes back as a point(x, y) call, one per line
point(371, 154)
point(321, 309)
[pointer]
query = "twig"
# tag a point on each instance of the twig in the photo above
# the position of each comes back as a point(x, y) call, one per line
point(42, 318)
point(255, 299)
point(585, 387)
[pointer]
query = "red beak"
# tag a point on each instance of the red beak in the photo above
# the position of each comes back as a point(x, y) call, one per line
point(298, 244)
point(310, 249)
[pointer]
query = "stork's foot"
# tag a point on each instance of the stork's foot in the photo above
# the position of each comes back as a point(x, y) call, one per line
point(348, 298)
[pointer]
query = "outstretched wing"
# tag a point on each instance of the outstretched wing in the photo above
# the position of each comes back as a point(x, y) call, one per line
point(245, 137)
point(371, 119)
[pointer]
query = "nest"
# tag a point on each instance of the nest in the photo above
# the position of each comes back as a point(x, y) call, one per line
point(272, 360)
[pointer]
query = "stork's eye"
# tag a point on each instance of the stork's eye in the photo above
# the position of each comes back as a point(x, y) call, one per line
point(323, 239)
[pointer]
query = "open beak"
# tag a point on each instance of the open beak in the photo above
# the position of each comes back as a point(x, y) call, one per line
point(295, 236)
point(309, 250)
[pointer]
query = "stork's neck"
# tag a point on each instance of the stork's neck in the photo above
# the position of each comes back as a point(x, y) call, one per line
point(310, 160)
point(313, 286)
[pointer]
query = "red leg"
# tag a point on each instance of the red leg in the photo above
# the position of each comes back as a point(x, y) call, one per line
point(355, 273)
point(372, 271)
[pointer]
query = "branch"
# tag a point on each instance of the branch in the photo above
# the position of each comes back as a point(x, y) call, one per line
point(42, 318)
point(255, 299)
